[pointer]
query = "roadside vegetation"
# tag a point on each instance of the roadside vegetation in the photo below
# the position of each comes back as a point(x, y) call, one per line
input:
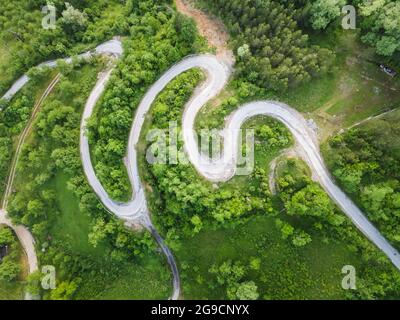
point(89, 248)
point(366, 163)
point(12, 266)
point(158, 38)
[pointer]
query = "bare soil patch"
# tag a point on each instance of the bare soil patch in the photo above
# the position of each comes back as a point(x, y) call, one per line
point(210, 28)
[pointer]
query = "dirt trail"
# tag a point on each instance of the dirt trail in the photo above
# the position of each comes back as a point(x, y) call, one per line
point(23, 233)
point(210, 28)
point(22, 138)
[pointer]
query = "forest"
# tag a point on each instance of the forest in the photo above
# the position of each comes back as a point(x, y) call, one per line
point(378, 21)
point(80, 26)
point(365, 161)
point(271, 50)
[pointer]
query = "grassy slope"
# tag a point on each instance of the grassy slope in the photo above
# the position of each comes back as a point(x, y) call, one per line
point(4, 59)
point(72, 226)
point(7, 48)
point(147, 279)
point(313, 272)
point(354, 90)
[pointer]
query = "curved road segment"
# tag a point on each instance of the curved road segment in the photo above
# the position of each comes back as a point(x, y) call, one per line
point(216, 170)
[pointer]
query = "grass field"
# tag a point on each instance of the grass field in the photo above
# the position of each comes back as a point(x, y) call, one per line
point(11, 291)
point(150, 280)
point(72, 226)
point(313, 272)
point(354, 89)
point(5, 56)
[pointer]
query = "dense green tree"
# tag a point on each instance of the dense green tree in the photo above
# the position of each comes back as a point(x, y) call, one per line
point(366, 163)
point(73, 19)
point(325, 11)
point(246, 291)
point(6, 236)
point(64, 290)
point(301, 238)
point(9, 270)
point(77, 27)
point(272, 51)
point(380, 25)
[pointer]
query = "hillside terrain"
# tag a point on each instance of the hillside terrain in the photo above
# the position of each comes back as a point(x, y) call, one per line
point(123, 168)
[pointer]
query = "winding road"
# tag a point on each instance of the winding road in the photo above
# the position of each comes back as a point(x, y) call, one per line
point(216, 170)
point(224, 168)
point(24, 235)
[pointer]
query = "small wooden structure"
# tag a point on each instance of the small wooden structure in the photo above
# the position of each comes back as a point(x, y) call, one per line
point(3, 252)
